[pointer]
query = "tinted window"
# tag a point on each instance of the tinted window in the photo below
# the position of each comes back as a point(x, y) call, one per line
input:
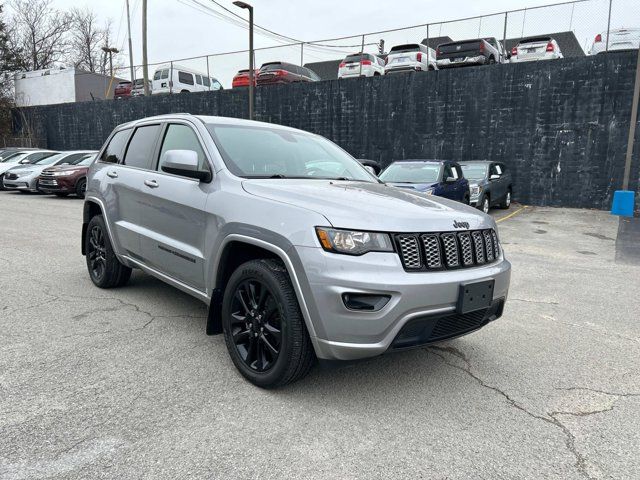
point(184, 77)
point(273, 66)
point(405, 48)
point(206, 81)
point(199, 79)
point(115, 150)
point(182, 137)
point(140, 150)
point(70, 159)
point(34, 157)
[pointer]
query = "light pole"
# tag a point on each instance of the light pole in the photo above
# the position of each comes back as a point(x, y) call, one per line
point(110, 51)
point(240, 4)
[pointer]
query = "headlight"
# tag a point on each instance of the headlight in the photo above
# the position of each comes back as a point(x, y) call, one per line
point(352, 242)
point(63, 174)
point(475, 189)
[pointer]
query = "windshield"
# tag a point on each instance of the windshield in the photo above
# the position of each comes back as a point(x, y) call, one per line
point(474, 172)
point(405, 48)
point(411, 172)
point(262, 152)
point(16, 158)
point(50, 160)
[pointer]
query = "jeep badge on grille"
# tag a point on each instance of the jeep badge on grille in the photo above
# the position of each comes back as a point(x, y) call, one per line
point(457, 224)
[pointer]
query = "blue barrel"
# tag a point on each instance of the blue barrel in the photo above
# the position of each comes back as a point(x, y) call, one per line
point(623, 202)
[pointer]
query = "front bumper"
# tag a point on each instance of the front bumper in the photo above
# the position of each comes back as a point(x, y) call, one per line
point(450, 63)
point(27, 184)
point(343, 334)
point(60, 184)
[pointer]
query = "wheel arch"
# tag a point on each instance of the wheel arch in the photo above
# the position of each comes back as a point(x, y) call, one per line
point(237, 249)
point(91, 208)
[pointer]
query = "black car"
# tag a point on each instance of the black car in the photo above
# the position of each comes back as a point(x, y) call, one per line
point(479, 51)
point(490, 184)
point(282, 72)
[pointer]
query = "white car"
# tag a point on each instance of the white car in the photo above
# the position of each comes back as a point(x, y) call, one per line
point(173, 78)
point(22, 159)
point(533, 49)
point(619, 39)
point(361, 65)
point(24, 178)
point(412, 57)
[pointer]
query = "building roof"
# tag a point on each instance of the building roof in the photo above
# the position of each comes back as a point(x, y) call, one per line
point(567, 41)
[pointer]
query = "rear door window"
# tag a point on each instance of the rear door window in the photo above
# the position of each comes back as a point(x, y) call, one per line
point(186, 78)
point(115, 150)
point(141, 147)
point(182, 137)
point(199, 79)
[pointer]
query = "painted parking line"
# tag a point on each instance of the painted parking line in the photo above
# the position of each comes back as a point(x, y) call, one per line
point(512, 214)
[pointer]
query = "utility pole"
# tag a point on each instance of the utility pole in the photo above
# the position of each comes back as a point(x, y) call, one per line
point(632, 127)
point(110, 51)
point(145, 70)
point(130, 47)
point(246, 6)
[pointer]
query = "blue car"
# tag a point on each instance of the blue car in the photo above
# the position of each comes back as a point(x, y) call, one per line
point(443, 178)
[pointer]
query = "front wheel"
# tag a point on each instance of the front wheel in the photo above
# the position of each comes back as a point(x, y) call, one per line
point(263, 327)
point(81, 187)
point(105, 269)
point(506, 203)
point(486, 204)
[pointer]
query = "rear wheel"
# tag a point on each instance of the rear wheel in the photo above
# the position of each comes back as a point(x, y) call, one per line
point(2, 182)
point(506, 203)
point(263, 327)
point(492, 60)
point(81, 187)
point(105, 269)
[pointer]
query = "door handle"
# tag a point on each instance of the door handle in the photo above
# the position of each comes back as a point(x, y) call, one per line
point(151, 183)
point(112, 174)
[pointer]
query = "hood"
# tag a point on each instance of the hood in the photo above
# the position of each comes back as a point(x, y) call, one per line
point(420, 187)
point(8, 166)
point(369, 206)
point(29, 166)
point(58, 168)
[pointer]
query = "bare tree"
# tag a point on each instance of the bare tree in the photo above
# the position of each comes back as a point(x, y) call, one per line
point(86, 39)
point(41, 31)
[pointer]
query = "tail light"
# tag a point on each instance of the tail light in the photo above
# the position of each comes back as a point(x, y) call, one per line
point(281, 73)
point(365, 62)
point(514, 52)
point(550, 47)
point(481, 46)
point(598, 38)
point(437, 51)
point(342, 64)
point(386, 60)
point(419, 57)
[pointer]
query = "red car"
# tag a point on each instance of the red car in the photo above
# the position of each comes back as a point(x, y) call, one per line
point(63, 180)
point(123, 90)
point(242, 78)
point(282, 72)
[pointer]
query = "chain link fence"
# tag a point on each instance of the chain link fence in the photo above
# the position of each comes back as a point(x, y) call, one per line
point(580, 27)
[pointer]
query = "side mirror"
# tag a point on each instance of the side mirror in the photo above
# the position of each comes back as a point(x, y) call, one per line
point(24, 162)
point(494, 177)
point(372, 165)
point(371, 170)
point(185, 164)
point(450, 180)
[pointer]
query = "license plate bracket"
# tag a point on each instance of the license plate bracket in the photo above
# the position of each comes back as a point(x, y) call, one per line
point(475, 296)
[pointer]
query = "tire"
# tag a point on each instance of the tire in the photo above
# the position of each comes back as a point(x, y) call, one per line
point(466, 200)
point(491, 60)
point(104, 268)
point(485, 205)
point(259, 298)
point(2, 183)
point(506, 203)
point(81, 187)
point(61, 195)
point(431, 69)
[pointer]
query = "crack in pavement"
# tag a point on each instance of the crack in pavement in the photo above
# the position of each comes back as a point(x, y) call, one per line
point(570, 439)
point(604, 392)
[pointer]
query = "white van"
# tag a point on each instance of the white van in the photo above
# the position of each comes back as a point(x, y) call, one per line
point(178, 79)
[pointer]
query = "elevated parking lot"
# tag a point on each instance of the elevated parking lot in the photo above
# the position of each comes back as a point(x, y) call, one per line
point(125, 384)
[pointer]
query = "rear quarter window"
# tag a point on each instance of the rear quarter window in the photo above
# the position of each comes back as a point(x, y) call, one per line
point(115, 149)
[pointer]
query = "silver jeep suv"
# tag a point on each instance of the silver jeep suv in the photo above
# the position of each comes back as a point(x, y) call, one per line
point(299, 251)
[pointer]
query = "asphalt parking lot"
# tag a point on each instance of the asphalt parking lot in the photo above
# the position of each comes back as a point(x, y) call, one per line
point(125, 384)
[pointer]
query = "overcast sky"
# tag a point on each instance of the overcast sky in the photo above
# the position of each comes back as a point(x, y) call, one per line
point(179, 28)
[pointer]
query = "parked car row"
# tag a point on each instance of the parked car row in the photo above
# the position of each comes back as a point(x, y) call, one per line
point(482, 184)
point(46, 171)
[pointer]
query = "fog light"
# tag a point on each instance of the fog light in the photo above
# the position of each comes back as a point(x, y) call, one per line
point(365, 302)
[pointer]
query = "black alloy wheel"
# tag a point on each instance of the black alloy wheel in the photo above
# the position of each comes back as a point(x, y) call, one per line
point(256, 326)
point(97, 253)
